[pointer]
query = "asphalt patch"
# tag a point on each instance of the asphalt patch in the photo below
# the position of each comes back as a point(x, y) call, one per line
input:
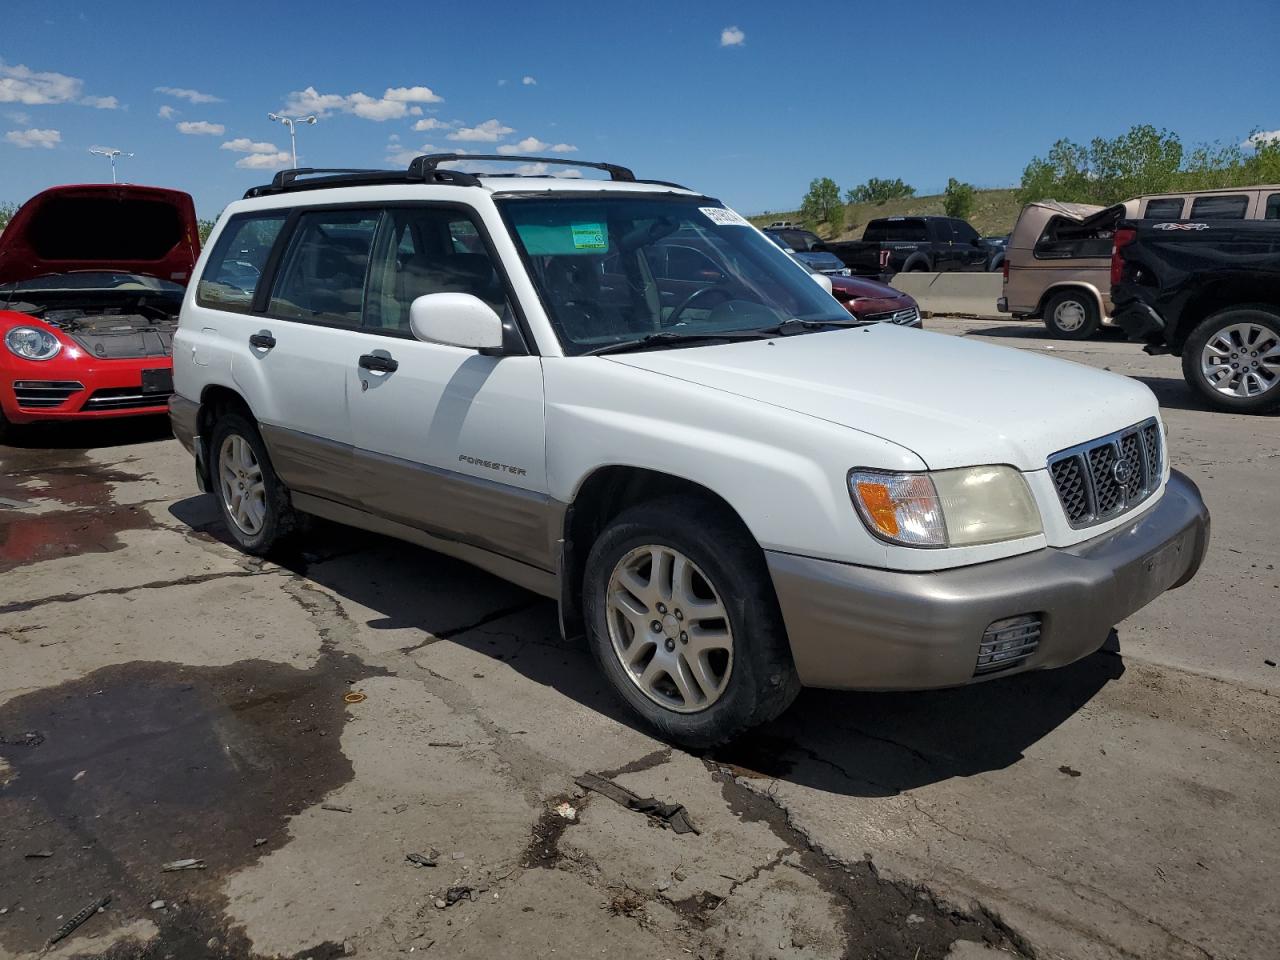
point(140, 764)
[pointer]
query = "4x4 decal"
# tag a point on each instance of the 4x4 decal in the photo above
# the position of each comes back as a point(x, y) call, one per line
point(1181, 226)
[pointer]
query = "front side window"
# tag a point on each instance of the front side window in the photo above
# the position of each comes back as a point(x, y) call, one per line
point(235, 266)
point(322, 274)
point(1273, 207)
point(616, 269)
point(964, 232)
point(1166, 208)
point(1231, 207)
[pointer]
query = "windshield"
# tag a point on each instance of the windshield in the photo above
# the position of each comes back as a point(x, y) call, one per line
point(618, 269)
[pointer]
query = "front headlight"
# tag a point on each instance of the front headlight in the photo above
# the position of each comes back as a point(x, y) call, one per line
point(32, 343)
point(945, 508)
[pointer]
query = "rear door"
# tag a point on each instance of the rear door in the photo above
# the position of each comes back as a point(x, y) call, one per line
point(446, 440)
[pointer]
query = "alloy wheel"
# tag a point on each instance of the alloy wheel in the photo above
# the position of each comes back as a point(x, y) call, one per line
point(244, 494)
point(1242, 360)
point(669, 628)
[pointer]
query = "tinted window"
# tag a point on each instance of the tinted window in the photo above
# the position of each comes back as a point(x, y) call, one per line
point(1220, 208)
point(896, 230)
point(1273, 207)
point(322, 274)
point(234, 267)
point(964, 232)
point(1169, 208)
point(801, 239)
point(424, 250)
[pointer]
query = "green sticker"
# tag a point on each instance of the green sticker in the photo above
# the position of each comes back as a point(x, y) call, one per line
point(589, 236)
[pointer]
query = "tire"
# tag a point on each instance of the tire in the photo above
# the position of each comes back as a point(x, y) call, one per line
point(1247, 336)
point(6, 428)
point(266, 519)
point(997, 262)
point(745, 682)
point(1072, 315)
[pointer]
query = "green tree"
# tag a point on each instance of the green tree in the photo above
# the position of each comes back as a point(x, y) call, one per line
point(877, 190)
point(1141, 160)
point(7, 210)
point(957, 201)
point(206, 228)
point(822, 202)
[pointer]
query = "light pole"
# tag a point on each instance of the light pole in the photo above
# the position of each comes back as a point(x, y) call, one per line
point(110, 154)
point(290, 122)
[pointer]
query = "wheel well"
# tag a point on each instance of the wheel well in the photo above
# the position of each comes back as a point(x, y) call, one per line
point(603, 496)
point(1216, 298)
point(1068, 288)
point(216, 400)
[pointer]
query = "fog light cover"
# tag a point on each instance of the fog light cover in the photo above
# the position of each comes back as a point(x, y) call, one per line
point(1007, 643)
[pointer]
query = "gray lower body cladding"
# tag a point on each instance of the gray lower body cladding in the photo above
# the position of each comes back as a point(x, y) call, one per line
point(859, 628)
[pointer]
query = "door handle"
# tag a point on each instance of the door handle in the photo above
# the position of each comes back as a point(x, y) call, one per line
point(371, 361)
point(263, 341)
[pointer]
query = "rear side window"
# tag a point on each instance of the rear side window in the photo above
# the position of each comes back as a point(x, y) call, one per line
point(964, 232)
point(1273, 207)
point(1220, 208)
point(1167, 208)
point(322, 274)
point(910, 230)
point(235, 266)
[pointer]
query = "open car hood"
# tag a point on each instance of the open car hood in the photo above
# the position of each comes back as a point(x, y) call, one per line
point(148, 231)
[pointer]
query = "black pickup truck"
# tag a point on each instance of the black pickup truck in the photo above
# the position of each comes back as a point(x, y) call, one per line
point(892, 245)
point(1209, 292)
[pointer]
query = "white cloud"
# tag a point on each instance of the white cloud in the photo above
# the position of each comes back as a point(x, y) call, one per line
point(431, 123)
point(732, 37)
point(29, 139)
point(201, 128)
point(20, 84)
point(542, 169)
point(394, 104)
point(245, 145)
point(502, 82)
point(1261, 137)
point(265, 161)
point(564, 148)
point(527, 145)
point(529, 81)
point(166, 112)
point(184, 93)
point(491, 131)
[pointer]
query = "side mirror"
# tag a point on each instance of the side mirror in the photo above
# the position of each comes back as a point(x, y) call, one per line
point(822, 280)
point(457, 320)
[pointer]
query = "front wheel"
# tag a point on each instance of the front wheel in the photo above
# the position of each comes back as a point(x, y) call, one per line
point(1072, 315)
point(254, 503)
point(1233, 359)
point(683, 621)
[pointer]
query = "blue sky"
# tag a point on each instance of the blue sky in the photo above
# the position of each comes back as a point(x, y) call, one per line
point(747, 101)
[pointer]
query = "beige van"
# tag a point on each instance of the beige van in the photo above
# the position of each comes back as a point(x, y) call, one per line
point(1058, 263)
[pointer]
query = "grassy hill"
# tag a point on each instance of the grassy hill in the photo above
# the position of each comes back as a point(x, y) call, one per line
point(994, 212)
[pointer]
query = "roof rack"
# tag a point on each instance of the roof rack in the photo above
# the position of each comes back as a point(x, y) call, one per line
point(423, 169)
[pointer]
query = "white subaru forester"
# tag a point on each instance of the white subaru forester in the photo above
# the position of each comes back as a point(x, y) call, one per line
point(621, 395)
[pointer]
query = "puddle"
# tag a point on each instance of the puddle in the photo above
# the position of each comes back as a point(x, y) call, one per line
point(91, 521)
point(140, 764)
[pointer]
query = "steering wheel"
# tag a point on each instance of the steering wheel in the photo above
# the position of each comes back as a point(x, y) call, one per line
point(687, 302)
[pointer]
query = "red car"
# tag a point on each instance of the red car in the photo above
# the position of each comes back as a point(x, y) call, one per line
point(872, 300)
point(91, 281)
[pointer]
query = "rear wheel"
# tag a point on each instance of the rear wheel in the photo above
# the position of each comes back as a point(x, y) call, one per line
point(254, 503)
point(1072, 315)
point(683, 621)
point(1233, 359)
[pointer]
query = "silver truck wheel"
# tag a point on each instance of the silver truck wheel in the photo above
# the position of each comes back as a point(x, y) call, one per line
point(669, 628)
point(244, 494)
point(1241, 360)
point(1069, 316)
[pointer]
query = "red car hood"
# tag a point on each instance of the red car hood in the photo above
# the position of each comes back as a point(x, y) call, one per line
point(123, 228)
point(860, 287)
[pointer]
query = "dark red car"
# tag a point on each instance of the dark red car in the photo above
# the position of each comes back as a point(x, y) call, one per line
point(91, 281)
point(872, 300)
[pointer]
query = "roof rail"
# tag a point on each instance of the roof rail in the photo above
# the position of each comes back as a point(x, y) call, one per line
point(426, 166)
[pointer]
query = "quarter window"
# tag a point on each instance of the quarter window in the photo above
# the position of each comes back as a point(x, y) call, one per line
point(1273, 207)
point(1220, 208)
point(964, 232)
point(1166, 208)
point(235, 266)
point(322, 274)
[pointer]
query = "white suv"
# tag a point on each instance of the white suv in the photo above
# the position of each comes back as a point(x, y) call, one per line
point(619, 394)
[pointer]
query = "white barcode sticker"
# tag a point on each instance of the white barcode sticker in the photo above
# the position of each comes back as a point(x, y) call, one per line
point(724, 217)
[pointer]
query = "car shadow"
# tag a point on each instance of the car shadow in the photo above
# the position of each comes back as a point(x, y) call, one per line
point(1036, 331)
point(89, 435)
point(1174, 393)
point(863, 744)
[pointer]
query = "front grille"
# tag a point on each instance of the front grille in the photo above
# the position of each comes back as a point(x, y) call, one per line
point(909, 316)
point(1007, 643)
point(35, 394)
point(124, 398)
point(1106, 477)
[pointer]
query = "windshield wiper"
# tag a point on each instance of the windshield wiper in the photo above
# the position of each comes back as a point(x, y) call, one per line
point(796, 325)
point(675, 338)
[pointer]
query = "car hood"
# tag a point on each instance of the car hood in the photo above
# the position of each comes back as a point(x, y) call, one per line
point(147, 231)
point(859, 287)
point(953, 402)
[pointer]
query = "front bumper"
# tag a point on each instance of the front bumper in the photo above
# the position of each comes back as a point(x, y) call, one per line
point(860, 628)
point(103, 389)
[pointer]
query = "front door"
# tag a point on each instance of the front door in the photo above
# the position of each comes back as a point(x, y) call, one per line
point(445, 439)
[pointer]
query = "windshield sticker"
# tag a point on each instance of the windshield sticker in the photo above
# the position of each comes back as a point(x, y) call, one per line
point(724, 217)
point(589, 236)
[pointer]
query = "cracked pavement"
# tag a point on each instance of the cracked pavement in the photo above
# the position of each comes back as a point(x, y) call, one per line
point(300, 725)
